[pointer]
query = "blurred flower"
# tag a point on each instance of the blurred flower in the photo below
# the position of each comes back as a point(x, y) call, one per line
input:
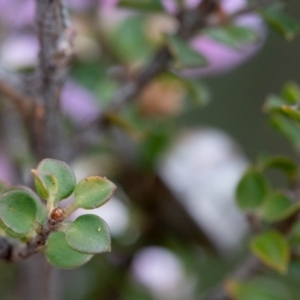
point(19, 51)
point(6, 170)
point(16, 13)
point(162, 272)
point(222, 58)
point(78, 103)
point(202, 169)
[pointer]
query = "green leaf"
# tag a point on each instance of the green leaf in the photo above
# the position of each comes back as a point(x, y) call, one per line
point(184, 56)
point(62, 172)
point(18, 210)
point(284, 24)
point(251, 190)
point(281, 163)
point(272, 249)
point(278, 207)
point(42, 214)
point(89, 234)
point(46, 184)
point(294, 236)
point(60, 255)
point(233, 36)
point(198, 91)
point(291, 92)
point(291, 112)
point(147, 5)
point(274, 103)
point(252, 291)
point(3, 187)
point(130, 42)
point(288, 128)
point(93, 192)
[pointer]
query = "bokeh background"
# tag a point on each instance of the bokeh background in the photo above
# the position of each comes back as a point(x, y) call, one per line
point(176, 231)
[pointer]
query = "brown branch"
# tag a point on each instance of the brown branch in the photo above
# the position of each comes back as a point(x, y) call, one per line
point(13, 252)
point(55, 53)
point(190, 23)
point(12, 88)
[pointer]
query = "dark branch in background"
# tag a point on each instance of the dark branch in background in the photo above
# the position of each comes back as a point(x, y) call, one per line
point(55, 53)
point(247, 269)
point(13, 89)
point(190, 22)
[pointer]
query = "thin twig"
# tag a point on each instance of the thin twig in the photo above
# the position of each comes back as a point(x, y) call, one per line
point(12, 88)
point(190, 23)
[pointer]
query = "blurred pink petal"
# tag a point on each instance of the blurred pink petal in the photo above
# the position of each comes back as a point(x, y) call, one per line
point(17, 13)
point(79, 104)
point(6, 169)
point(162, 272)
point(81, 5)
point(19, 51)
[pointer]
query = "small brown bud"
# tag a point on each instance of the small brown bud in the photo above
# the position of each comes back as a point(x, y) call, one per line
point(58, 214)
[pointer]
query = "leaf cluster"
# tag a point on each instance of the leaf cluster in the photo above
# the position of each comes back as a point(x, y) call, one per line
point(69, 244)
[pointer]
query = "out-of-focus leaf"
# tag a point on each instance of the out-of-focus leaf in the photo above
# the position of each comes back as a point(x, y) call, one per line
point(183, 55)
point(233, 36)
point(291, 112)
point(284, 24)
point(18, 210)
point(294, 236)
point(274, 103)
point(281, 163)
point(251, 291)
point(272, 249)
point(61, 255)
point(93, 192)
point(147, 5)
point(89, 234)
point(278, 207)
point(287, 127)
point(130, 42)
point(3, 187)
point(291, 92)
point(198, 91)
point(63, 173)
point(152, 146)
point(251, 190)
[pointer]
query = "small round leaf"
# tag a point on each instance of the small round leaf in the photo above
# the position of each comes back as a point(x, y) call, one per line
point(272, 249)
point(45, 183)
point(93, 192)
point(89, 234)
point(60, 255)
point(18, 210)
point(63, 173)
point(277, 207)
point(251, 190)
point(255, 290)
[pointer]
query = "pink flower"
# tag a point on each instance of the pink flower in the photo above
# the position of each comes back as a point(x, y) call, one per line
point(79, 104)
point(222, 58)
point(19, 51)
point(6, 169)
point(17, 13)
